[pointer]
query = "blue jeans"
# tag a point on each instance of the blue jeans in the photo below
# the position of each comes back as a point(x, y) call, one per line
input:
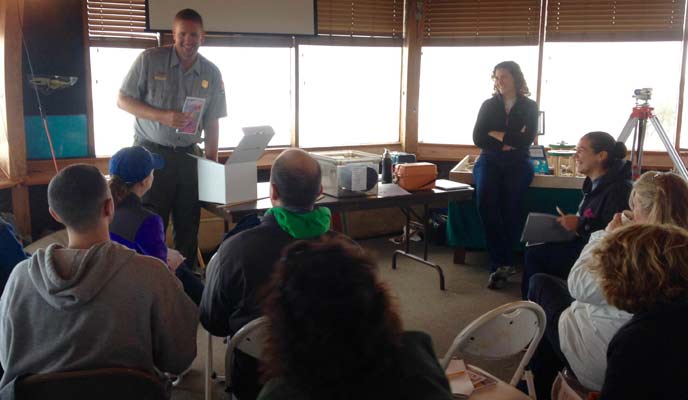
point(501, 182)
point(554, 259)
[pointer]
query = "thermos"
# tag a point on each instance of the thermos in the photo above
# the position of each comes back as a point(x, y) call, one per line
point(386, 167)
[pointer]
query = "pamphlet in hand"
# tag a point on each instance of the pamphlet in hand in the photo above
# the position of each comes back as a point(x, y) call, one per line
point(174, 259)
point(544, 228)
point(193, 105)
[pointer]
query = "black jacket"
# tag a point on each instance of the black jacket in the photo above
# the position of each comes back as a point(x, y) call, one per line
point(646, 359)
point(609, 197)
point(236, 274)
point(492, 117)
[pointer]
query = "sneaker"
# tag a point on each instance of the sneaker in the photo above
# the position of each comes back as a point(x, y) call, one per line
point(510, 270)
point(499, 277)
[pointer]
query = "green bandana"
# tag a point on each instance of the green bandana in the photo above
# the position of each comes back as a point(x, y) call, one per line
point(307, 225)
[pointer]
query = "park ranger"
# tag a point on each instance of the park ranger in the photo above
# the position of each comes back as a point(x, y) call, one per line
point(158, 90)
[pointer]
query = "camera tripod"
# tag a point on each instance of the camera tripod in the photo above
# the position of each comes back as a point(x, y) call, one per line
point(637, 123)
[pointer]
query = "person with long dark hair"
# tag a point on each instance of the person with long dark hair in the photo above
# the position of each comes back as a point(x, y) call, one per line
point(606, 189)
point(505, 129)
point(334, 332)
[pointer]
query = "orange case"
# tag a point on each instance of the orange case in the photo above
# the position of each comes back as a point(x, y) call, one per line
point(415, 176)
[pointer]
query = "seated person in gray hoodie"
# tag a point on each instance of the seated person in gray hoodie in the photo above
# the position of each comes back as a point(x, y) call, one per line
point(244, 262)
point(94, 303)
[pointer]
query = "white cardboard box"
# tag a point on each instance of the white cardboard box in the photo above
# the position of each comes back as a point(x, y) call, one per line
point(237, 179)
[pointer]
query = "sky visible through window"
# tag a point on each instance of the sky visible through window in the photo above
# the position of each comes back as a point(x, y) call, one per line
point(351, 95)
point(257, 82)
point(586, 87)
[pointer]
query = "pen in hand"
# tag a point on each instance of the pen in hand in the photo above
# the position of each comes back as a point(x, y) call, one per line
point(569, 222)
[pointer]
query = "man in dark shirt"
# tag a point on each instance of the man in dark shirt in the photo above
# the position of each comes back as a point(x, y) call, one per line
point(244, 263)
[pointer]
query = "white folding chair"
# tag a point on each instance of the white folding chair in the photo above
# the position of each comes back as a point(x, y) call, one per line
point(249, 339)
point(209, 344)
point(503, 332)
point(209, 367)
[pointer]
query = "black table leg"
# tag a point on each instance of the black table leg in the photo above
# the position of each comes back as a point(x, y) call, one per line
point(407, 253)
point(426, 229)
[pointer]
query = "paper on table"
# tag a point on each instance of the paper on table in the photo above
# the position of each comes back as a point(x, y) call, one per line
point(359, 178)
point(391, 190)
point(459, 381)
point(446, 184)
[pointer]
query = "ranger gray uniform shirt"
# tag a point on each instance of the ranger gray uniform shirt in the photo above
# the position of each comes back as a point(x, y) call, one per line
point(157, 79)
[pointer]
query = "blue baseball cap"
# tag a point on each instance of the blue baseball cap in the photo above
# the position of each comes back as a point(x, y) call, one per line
point(134, 164)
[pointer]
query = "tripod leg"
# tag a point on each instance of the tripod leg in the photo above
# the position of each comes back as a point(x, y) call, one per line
point(673, 154)
point(630, 127)
point(637, 157)
point(627, 129)
point(633, 149)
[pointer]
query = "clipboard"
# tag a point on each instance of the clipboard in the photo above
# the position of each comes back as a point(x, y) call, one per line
point(544, 228)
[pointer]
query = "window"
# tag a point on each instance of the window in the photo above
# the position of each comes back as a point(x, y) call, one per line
point(113, 127)
point(684, 123)
point(455, 81)
point(257, 82)
point(117, 20)
point(589, 87)
point(258, 85)
point(348, 95)
point(597, 52)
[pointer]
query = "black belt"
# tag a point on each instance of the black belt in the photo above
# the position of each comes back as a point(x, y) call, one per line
point(152, 145)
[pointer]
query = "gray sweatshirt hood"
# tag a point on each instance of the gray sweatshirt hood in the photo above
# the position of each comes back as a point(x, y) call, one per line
point(84, 272)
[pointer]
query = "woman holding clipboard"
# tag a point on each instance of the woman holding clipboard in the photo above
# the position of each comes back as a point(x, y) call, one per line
point(606, 189)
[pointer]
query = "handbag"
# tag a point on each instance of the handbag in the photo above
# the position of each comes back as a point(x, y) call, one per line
point(415, 176)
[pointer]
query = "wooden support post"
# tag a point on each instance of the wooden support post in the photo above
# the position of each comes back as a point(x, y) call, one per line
point(12, 137)
point(542, 34)
point(682, 81)
point(21, 209)
point(410, 75)
point(89, 86)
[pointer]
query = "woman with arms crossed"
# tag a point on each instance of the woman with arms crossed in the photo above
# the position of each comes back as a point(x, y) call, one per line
point(504, 131)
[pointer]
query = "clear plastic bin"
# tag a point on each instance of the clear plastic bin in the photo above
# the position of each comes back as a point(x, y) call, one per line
point(347, 173)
